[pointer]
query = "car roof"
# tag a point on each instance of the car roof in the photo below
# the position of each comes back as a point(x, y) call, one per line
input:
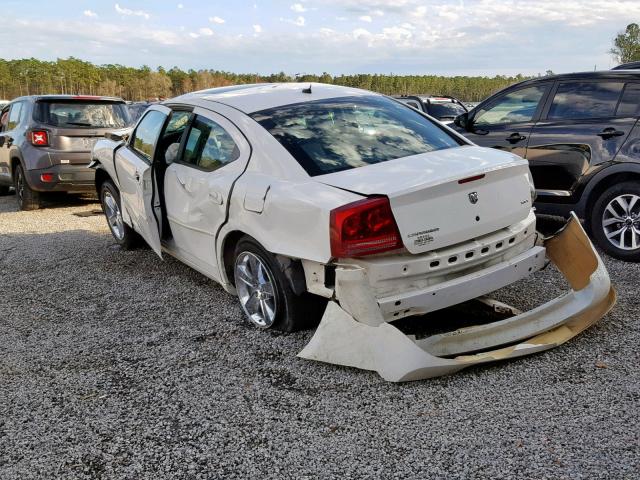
point(262, 96)
point(426, 97)
point(627, 66)
point(70, 97)
point(614, 74)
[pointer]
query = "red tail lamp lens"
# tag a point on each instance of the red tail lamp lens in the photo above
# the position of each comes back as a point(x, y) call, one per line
point(39, 138)
point(363, 228)
point(47, 177)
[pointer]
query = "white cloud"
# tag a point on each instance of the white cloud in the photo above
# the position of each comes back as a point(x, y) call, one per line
point(298, 22)
point(207, 32)
point(193, 35)
point(298, 7)
point(217, 20)
point(180, 5)
point(366, 18)
point(90, 13)
point(135, 13)
point(257, 29)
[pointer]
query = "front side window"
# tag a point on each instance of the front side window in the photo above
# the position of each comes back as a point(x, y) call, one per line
point(331, 135)
point(209, 146)
point(146, 135)
point(576, 100)
point(629, 105)
point(82, 114)
point(515, 107)
point(15, 114)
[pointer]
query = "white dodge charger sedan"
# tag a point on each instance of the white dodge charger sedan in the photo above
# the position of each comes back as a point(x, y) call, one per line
point(324, 203)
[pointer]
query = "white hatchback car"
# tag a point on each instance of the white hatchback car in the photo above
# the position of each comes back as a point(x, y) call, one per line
point(292, 196)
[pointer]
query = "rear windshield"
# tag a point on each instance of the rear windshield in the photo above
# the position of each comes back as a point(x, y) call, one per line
point(445, 110)
point(87, 114)
point(327, 136)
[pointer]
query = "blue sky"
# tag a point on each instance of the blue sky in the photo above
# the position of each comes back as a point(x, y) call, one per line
point(448, 37)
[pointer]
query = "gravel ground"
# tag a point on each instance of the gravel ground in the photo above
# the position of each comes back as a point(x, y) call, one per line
point(114, 364)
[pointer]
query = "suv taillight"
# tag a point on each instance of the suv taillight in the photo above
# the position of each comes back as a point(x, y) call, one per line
point(363, 228)
point(39, 138)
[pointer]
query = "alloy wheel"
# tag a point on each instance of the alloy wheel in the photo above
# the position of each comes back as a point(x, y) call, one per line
point(114, 217)
point(621, 222)
point(256, 289)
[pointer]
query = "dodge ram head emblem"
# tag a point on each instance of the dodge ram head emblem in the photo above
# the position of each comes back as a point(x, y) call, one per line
point(473, 197)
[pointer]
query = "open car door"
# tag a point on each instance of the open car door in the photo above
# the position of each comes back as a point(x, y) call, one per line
point(134, 166)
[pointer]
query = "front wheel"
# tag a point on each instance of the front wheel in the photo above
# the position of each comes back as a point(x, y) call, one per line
point(28, 199)
point(126, 237)
point(266, 296)
point(615, 221)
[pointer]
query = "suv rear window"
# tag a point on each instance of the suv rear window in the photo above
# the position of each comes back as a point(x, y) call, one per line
point(575, 100)
point(445, 109)
point(81, 114)
point(331, 135)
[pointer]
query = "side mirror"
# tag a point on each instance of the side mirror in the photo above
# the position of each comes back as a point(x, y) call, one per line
point(462, 121)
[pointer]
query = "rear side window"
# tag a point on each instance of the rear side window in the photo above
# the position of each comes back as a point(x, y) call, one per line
point(15, 115)
point(576, 100)
point(147, 133)
point(209, 146)
point(82, 114)
point(331, 135)
point(629, 105)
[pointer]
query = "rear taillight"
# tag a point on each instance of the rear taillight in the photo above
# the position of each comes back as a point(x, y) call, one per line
point(363, 228)
point(39, 138)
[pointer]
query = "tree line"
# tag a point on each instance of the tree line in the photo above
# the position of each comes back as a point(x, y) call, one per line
point(31, 76)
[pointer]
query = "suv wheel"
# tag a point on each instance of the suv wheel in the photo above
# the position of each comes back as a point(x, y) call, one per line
point(28, 199)
point(615, 221)
point(265, 295)
point(126, 237)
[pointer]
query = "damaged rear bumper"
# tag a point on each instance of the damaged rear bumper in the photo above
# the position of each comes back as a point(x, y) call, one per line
point(355, 332)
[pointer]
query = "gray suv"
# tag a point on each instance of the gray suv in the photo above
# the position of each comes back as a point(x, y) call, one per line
point(46, 142)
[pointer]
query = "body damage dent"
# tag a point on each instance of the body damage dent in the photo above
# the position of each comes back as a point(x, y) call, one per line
point(351, 332)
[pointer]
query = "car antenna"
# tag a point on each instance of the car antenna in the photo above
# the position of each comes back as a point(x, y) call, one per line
point(307, 90)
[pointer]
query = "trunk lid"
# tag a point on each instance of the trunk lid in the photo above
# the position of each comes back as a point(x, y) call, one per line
point(432, 208)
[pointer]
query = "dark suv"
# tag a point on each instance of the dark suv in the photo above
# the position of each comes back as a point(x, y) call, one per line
point(581, 136)
point(46, 142)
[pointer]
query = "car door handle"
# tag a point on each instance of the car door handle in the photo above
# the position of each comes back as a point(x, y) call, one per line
point(137, 177)
point(610, 133)
point(216, 197)
point(515, 138)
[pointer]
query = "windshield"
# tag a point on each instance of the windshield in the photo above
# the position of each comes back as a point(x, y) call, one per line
point(445, 110)
point(94, 114)
point(331, 135)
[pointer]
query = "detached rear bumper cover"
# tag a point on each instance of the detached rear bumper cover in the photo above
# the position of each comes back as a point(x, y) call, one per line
point(365, 341)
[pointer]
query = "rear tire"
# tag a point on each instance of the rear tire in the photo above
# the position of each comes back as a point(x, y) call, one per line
point(615, 221)
point(265, 294)
point(28, 199)
point(126, 237)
